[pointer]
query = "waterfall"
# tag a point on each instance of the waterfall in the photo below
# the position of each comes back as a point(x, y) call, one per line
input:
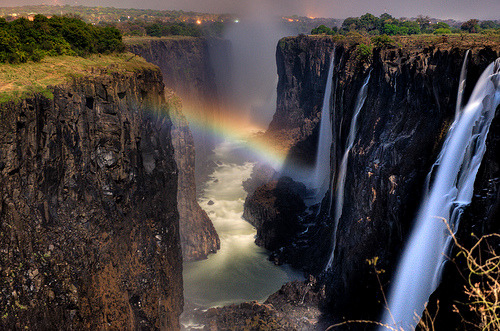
point(461, 84)
point(339, 190)
point(321, 174)
point(450, 189)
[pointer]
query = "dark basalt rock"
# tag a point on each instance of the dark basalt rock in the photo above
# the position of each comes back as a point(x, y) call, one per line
point(275, 210)
point(89, 228)
point(187, 69)
point(409, 107)
point(293, 307)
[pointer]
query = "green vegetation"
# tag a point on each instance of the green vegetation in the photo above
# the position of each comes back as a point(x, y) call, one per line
point(322, 29)
point(19, 80)
point(23, 40)
point(364, 53)
point(388, 25)
point(173, 29)
point(382, 41)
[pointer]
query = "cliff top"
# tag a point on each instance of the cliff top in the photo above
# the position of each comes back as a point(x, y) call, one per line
point(19, 80)
point(138, 40)
point(463, 41)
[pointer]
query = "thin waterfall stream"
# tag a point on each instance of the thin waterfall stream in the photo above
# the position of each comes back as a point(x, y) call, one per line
point(321, 175)
point(450, 189)
point(338, 194)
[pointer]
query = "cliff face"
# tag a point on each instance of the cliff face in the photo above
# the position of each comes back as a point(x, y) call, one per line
point(186, 68)
point(89, 235)
point(479, 219)
point(409, 107)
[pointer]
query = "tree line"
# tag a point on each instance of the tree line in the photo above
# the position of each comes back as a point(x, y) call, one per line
point(163, 29)
point(23, 40)
point(388, 25)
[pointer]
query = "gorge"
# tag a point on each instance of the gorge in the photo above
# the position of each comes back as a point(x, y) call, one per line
point(103, 198)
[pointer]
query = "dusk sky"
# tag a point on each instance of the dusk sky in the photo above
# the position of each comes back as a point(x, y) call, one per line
point(456, 9)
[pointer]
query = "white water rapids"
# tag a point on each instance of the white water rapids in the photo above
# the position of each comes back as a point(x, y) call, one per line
point(240, 271)
point(450, 189)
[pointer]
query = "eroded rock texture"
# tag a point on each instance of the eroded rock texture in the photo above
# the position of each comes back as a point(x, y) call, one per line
point(186, 68)
point(89, 232)
point(409, 107)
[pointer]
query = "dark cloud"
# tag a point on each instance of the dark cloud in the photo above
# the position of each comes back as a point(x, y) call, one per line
point(457, 9)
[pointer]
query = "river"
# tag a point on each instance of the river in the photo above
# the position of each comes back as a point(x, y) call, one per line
point(240, 271)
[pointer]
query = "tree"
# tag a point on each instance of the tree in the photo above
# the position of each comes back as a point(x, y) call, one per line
point(386, 18)
point(322, 29)
point(412, 26)
point(350, 23)
point(368, 22)
point(489, 25)
point(471, 26)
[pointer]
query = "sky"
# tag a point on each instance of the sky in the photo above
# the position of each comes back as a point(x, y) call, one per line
point(455, 9)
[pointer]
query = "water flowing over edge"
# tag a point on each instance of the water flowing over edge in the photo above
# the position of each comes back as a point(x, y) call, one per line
point(321, 175)
point(338, 194)
point(449, 191)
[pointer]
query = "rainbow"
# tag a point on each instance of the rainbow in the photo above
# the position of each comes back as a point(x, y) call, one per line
point(228, 127)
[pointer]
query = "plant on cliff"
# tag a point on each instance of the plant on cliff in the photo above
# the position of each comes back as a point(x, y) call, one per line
point(382, 41)
point(23, 40)
point(364, 53)
point(322, 29)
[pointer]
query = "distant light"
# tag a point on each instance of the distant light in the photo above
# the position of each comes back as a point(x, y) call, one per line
point(312, 17)
point(198, 22)
point(236, 21)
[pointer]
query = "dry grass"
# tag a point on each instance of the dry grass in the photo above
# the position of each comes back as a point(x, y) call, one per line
point(19, 80)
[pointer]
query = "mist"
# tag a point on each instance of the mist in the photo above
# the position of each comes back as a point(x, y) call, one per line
point(254, 36)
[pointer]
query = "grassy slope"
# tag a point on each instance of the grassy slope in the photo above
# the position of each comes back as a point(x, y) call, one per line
point(19, 80)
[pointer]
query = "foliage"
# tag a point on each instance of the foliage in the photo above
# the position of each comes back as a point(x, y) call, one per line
point(442, 31)
point(382, 41)
point(23, 40)
point(364, 53)
point(471, 26)
point(160, 29)
point(387, 24)
point(322, 29)
point(489, 25)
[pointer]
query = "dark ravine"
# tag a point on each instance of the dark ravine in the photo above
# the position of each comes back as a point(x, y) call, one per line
point(410, 105)
point(89, 228)
point(187, 70)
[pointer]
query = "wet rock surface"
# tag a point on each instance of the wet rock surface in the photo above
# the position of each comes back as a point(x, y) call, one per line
point(89, 232)
point(409, 107)
point(293, 307)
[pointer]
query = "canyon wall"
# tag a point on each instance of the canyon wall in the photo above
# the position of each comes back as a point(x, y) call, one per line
point(187, 69)
point(89, 228)
point(409, 107)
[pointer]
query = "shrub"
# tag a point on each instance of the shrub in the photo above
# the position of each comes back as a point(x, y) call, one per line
point(364, 53)
point(442, 31)
point(382, 41)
